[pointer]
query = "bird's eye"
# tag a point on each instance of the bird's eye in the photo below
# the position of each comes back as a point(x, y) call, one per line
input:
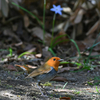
point(54, 59)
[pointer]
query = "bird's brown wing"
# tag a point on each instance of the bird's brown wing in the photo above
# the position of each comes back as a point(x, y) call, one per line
point(42, 69)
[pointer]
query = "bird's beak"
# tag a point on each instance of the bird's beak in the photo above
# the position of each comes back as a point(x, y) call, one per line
point(61, 60)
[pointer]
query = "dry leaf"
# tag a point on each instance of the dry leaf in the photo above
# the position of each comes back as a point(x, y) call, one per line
point(8, 32)
point(11, 68)
point(67, 10)
point(46, 53)
point(38, 55)
point(98, 4)
point(14, 27)
point(79, 16)
point(95, 53)
point(89, 41)
point(97, 48)
point(31, 50)
point(26, 21)
point(87, 5)
point(65, 98)
point(73, 16)
point(78, 3)
point(62, 38)
point(59, 78)
point(94, 28)
point(66, 69)
point(30, 66)
point(37, 31)
point(64, 90)
point(58, 27)
point(79, 29)
point(4, 7)
point(18, 44)
point(81, 45)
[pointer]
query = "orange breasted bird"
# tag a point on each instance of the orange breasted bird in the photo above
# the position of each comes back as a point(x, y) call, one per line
point(47, 71)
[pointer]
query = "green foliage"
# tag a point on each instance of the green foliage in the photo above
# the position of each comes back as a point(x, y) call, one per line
point(76, 46)
point(52, 45)
point(54, 17)
point(87, 65)
point(9, 86)
point(65, 85)
point(78, 64)
point(97, 90)
point(77, 92)
point(89, 83)
point(3, 50)
point(92, 48)
point(10, 52)
point(24, 53)
point(53, 41)
point(47, 84)
point(49, 49)
point(97, 78)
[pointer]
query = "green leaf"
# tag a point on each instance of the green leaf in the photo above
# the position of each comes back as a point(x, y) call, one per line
point(59, 42)
point(49, 49)
point(76, 46)
point(24, 53)
point(92, 46)
point(10, 50)
point(57, 39)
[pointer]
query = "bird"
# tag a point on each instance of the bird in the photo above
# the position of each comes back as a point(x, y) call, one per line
point(46, 72)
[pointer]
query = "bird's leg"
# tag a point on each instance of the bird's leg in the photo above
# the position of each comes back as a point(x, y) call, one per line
point(38, 85)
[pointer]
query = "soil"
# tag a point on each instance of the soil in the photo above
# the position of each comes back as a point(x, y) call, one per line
point(80, 85)
point(22, 34)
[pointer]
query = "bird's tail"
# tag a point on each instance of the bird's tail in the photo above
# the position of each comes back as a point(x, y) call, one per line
point(24, 68)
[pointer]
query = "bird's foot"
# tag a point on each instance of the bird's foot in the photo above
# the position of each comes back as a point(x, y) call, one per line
point(41, 91)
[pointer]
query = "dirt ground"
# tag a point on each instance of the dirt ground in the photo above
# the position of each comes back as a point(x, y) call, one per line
point(75, 38)
point(14, 86)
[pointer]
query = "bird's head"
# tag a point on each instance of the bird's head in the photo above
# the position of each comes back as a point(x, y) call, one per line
point(54, 62)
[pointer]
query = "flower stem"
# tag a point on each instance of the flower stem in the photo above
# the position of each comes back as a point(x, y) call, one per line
point(44, 22)
point(54, 17)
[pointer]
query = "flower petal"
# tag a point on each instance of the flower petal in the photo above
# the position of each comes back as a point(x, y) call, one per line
point(52, 9)
point(57, 9)
point(61, 9)
point(54, 6)
point(60, 13)
point(58, 6)
point(56, 12)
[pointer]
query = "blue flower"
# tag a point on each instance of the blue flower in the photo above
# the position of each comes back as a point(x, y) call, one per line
point(57, 9)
